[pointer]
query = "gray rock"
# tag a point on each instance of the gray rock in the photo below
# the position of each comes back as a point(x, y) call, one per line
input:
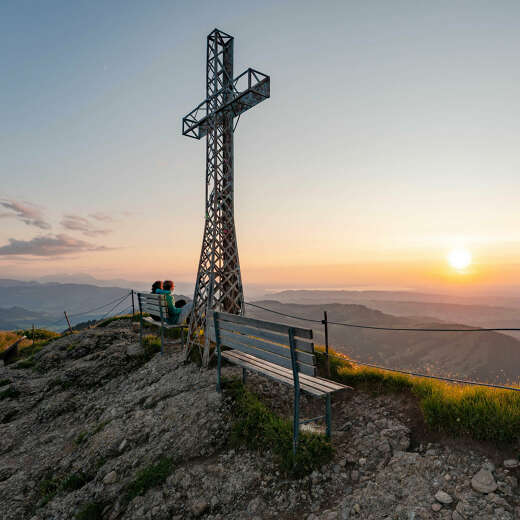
point(489, 466)
point(511, 463)
point(110, 478)
point(483, 481)
point(443, 497)
point(134, 350)
point(436, 507)
point(255, 505)
point(199, 507)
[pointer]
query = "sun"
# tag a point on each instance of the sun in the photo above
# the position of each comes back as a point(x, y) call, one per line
point(459, 258)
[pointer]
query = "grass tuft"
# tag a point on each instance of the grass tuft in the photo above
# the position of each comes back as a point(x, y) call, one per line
point(74, 481)
point(49, 486)
point(256, 427)
point(108, 321)
point(478, 412)
point(81, 438)
point(149, 477)
point(29, 362)
point(90, 511)
point(10, 392)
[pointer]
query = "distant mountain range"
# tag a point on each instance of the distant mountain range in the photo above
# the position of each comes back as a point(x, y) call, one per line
point(485, 356)
point(479, 312)
point(23, 303)
point(20, 318)
point(312, 296)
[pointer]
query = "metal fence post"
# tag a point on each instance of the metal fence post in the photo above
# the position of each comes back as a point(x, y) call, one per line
point(326, 324)
point(68, 321)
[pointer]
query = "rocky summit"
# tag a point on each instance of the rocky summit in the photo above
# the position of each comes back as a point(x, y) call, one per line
point(95, 427)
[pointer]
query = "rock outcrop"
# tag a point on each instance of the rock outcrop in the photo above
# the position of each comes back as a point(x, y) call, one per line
point(95, 417)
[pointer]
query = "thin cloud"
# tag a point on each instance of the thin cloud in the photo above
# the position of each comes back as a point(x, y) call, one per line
point(27, 213)
point(48, 245)
point(77, 223)
point(101, 217)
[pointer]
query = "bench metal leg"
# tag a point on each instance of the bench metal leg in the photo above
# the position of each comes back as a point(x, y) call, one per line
point(244, 376)
point(327, 416)
point(296, 419)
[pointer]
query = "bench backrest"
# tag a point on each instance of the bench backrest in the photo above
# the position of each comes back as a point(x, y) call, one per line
point(153, 304)
point(265, 340)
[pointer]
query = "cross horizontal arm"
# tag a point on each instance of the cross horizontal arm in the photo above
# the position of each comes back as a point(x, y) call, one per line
point(251, 87)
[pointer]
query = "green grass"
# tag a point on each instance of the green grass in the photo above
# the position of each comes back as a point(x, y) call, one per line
point(257, 428)
point(90, 511)
point(8, 337)
point(24, 363)
point(39, 334)
point(149, 477)
point(74, 481)
point(101, 426)
point(10, 392)
point(81, 438)
point(49, 486)
point(151, 345)
point(4, 382)
point(478, 412)
point(106, 322)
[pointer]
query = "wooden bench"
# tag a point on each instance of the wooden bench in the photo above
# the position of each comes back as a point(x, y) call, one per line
point(156, 305)
point(281, 352)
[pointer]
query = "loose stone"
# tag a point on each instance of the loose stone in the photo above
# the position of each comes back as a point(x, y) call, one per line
point(443, 497)
point(484, 482)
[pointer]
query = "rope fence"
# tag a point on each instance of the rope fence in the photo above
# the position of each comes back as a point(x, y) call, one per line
point(325, 322)
point(372, 327)
point(118, 301)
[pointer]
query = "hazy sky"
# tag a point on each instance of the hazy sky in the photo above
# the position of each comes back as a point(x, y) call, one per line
point(390, 137)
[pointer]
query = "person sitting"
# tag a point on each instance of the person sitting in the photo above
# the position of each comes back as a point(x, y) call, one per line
point(174, 313)
point(157, 285)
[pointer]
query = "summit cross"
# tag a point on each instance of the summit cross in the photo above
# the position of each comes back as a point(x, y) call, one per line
point(219, 282)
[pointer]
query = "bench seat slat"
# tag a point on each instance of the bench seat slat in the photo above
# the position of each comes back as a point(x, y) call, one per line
point(154, 309)
point(152, 297)
point(282, 339)
point(282, 375)
point(155, 303)
point(268, 325)
point(151, 321)
point(324, 385)
point(255, 348)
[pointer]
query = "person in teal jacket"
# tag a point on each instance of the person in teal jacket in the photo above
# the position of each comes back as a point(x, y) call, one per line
point(167, 289)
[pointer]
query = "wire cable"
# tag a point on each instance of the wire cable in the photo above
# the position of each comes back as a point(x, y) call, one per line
point(372, 327)
point(406, 372)
point(96, 308)
point(114, 307)
point(429, 376)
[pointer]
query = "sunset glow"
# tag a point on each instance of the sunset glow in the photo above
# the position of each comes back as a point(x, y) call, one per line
point(459, 258)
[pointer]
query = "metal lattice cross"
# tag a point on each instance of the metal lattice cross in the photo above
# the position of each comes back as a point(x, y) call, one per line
point(219, 282)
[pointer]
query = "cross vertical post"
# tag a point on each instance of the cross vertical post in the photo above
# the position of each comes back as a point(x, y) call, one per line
point(219, 281)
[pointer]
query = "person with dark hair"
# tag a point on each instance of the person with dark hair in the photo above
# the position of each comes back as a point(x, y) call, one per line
point(156, 285)
point(167, 288)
